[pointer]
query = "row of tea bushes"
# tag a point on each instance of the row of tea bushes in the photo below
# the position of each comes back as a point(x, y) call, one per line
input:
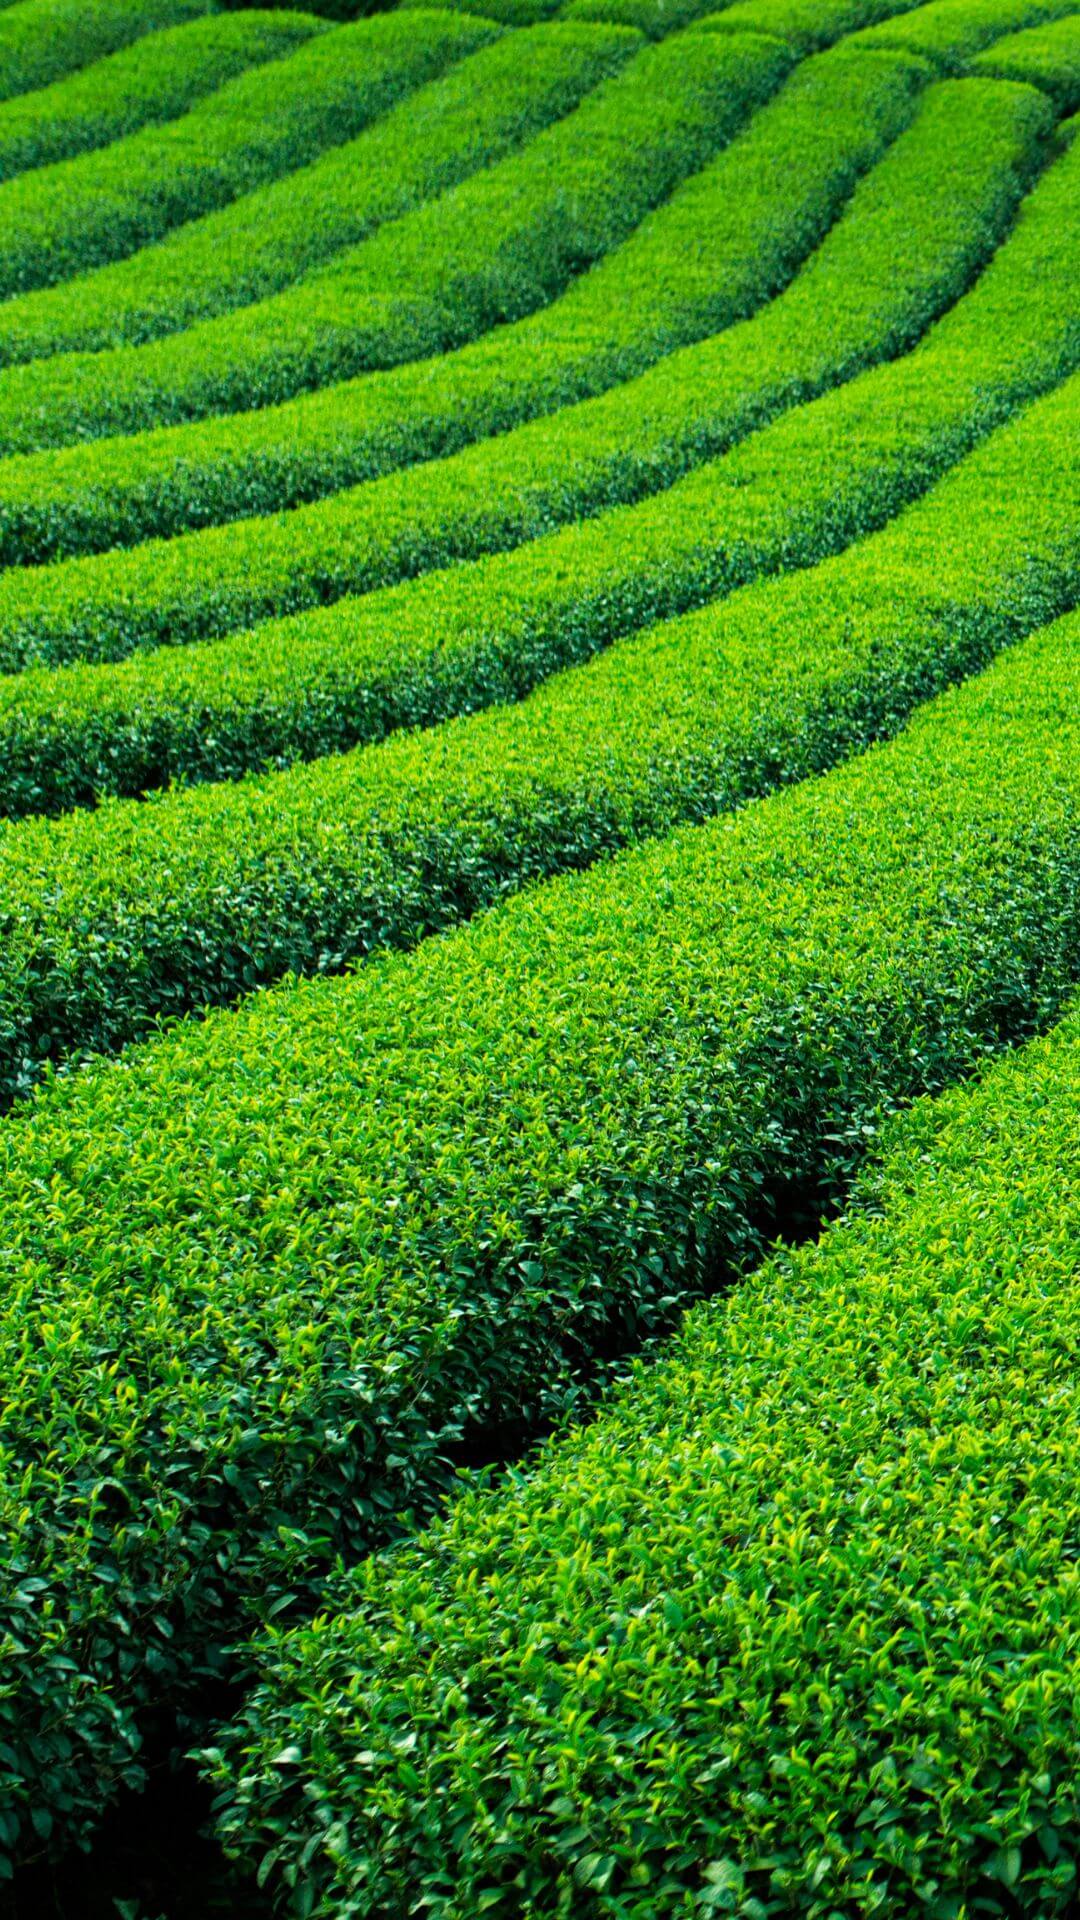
point(509, 13)
point(61, 219)
point(1047, 57)
point(263, 1275)
point(914, 235)
point(487, 105)
point(116, 918)
point(42, 40)
point(953, 32)
point(497, 246)
point(451, 642)
point(729, 238)
point(156, 79)
point(808, 25)
point(792, 1628)
point(948, 31)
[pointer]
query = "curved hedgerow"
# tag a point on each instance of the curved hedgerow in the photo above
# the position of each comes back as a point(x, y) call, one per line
point(273, 1267)
point(952, 32)
point(715, 251)
point(472, 635)
point(915, 233)
point(270, 1276)
point(791, 1629)
point(945, 31)
point(41, 40)
point(112, 919)
point(509, 13)
point(1047, 57)
point(499, 245)
point(489, 104)
point(158, 78)
point(808, 25)
point(62, 219)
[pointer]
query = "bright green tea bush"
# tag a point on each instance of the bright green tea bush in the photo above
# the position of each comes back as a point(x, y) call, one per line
point(720, 247)
point(808, 25)
point(158, 78)
point(656, 18)
point(1047, 57)
point(915, 233)
point(951, 32)
point(510, 13)
point(539, 618)
point(468, 637)
point(41, 40)
point(114, 918)
point(792, 1628)
point(271, 1268)
point(62, 219)
point(485, 107)
point(497, 246)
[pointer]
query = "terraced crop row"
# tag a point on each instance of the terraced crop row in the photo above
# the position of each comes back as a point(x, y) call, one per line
point(809, 25)
point(1047, 57)
point(606, 326)
point(495, 247)
point(795, 1621)
point(711, 254)
point(60, 220)
point(271, 1266)
point(917, 230)
point(41, 40)
point(607, 497)
point(326, 680)
point(116, 918)
point(198, 897)
point(245, 360)
point(483, 108)
point(952, 32)
point(156, 79)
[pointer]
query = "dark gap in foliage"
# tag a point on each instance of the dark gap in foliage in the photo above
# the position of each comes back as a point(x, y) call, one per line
point(154, 1857)
point(792, 1210)
point(329, 9)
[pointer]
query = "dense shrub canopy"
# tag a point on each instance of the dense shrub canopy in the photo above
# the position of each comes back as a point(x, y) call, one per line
point(539, 580)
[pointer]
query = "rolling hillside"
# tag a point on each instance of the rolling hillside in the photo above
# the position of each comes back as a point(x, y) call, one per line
point(540, 978)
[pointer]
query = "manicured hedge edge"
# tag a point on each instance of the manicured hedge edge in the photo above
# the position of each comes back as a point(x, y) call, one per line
point(62, 219)
point(159, 77)
point(1047, 57)
point(790, 1629)
point(655, 18)
point(724, 243)
point(271, 1269)
point(113, 919)
point(915, 234)
point(510, 13)
point(42, 40)
point(473, 635)
point(500, 244)
point(952, 32)
point(809, 25)
point(489, 104)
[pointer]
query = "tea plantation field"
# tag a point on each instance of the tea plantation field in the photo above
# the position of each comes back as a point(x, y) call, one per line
point(540, 960)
